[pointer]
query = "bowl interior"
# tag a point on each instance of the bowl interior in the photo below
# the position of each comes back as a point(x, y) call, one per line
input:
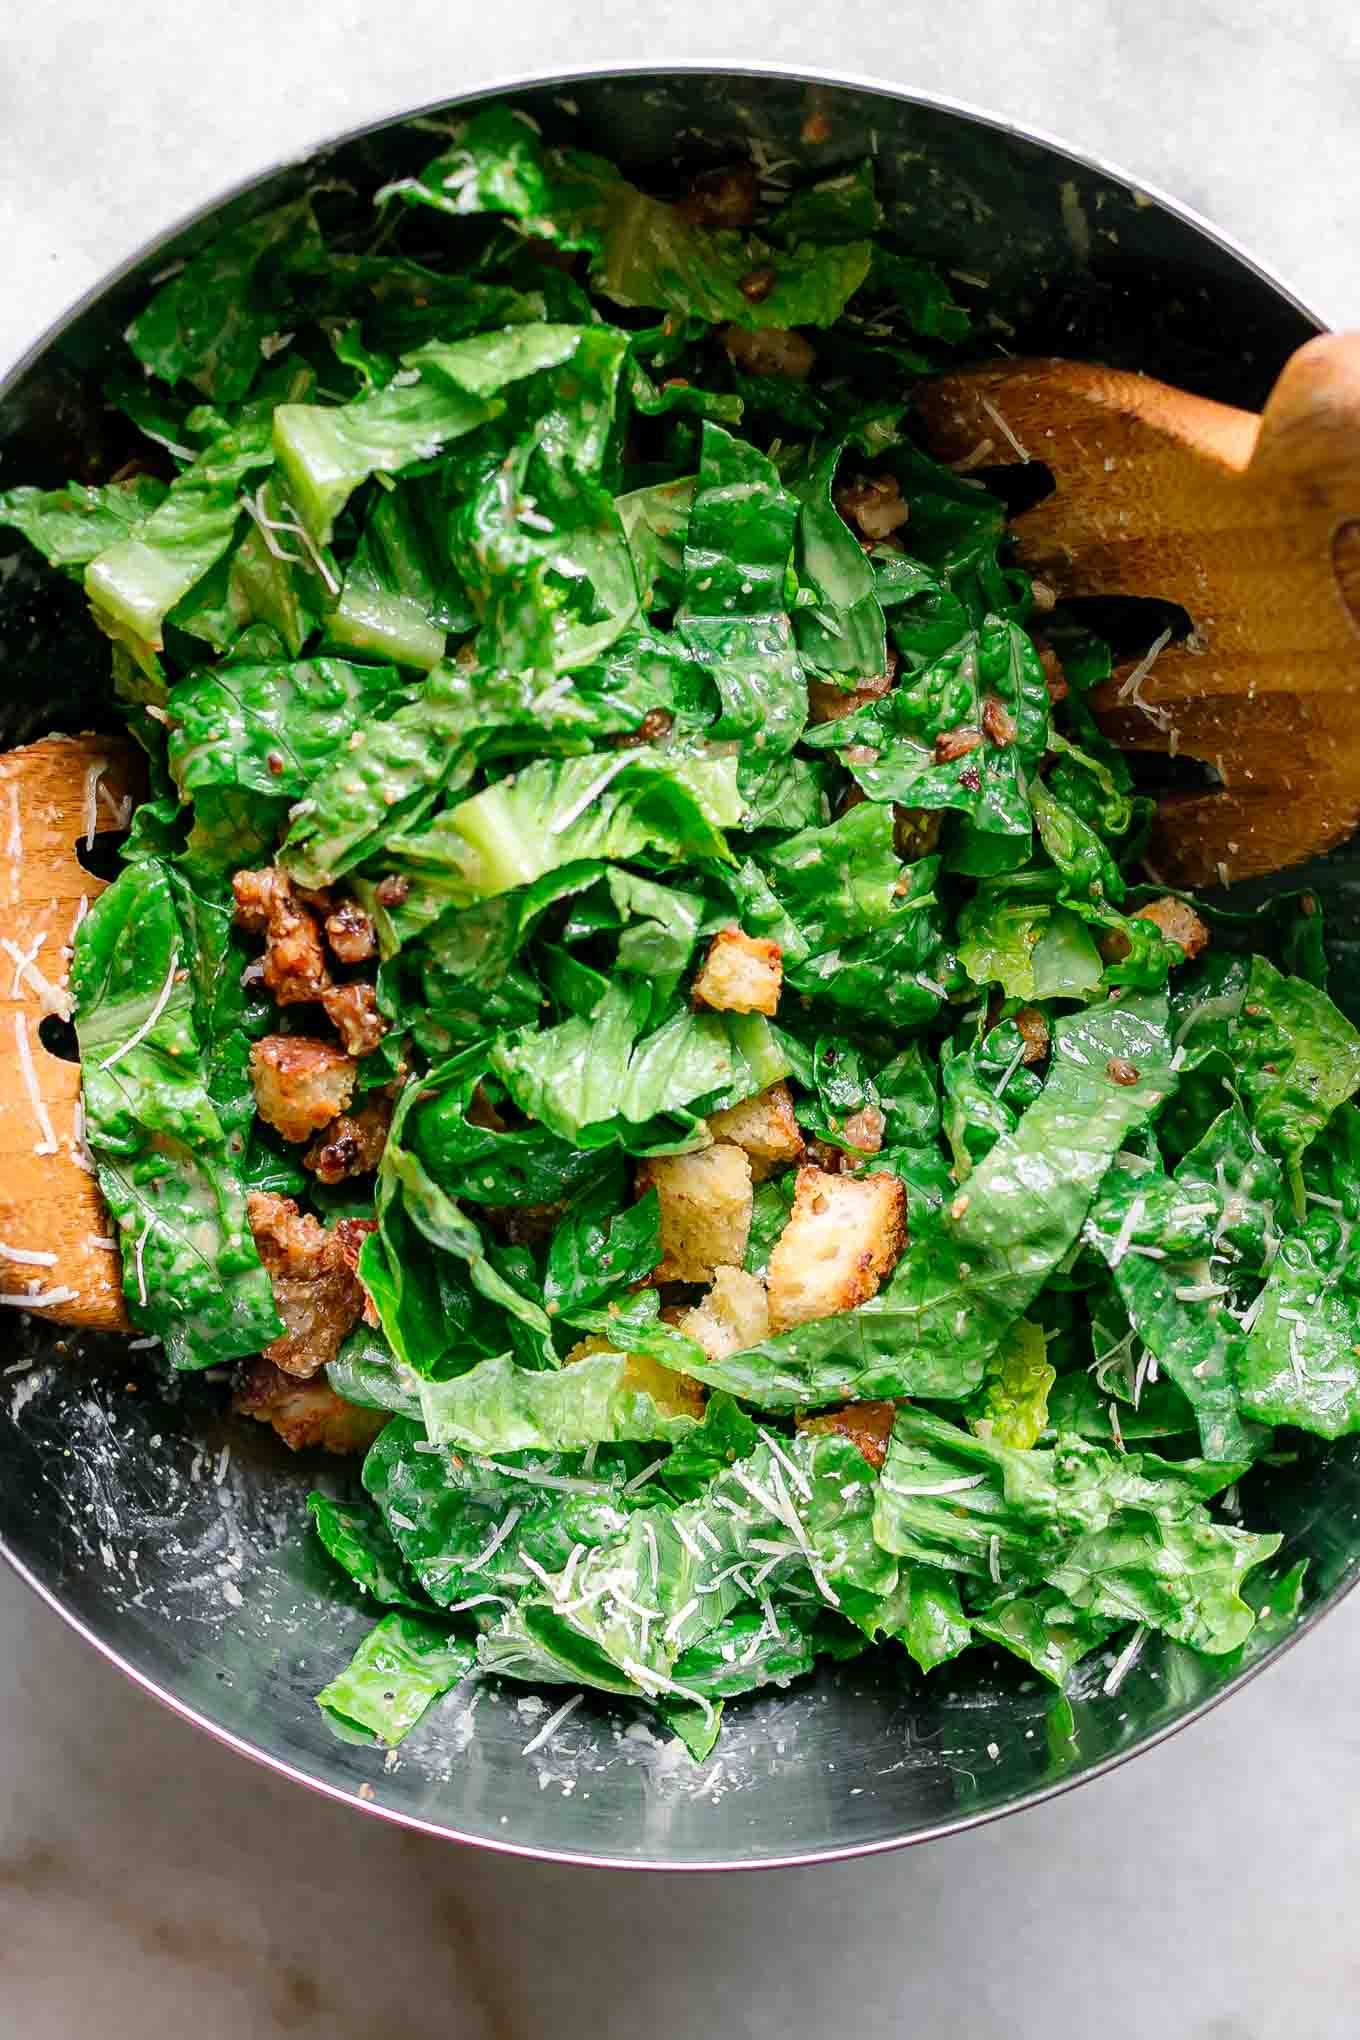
point(173, 1536)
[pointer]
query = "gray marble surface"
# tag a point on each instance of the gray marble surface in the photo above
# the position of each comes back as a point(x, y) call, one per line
point(152, 1883)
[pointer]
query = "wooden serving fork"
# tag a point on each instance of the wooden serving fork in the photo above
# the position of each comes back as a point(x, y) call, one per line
point(1252, 525)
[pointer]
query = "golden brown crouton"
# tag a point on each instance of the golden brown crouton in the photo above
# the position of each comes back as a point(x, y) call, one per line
point(866, 1424)
point(735, 1314)
point(351, 1145)
point(300, 1085)
point(316, 1292)
point(1178, 923)
point(304, 1413)
point(740, 974)
point(764, 1127)
point(843, 1236)
point(705, 1210)
point(353, 1012)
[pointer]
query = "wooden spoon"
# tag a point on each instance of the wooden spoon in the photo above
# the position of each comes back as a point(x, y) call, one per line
point(56, 1238)
point(1252, 525)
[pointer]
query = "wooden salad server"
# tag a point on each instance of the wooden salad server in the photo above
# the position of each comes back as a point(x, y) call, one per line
point(1252, 525)
point(57, 1254)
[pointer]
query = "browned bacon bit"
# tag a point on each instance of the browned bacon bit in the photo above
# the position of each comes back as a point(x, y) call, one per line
point(722, 198)
point(997, 721)
point(304, 1413)
point(300, 1084)
point(1120, 1072)
point(866, 1424)
point(353, 1012)
point(1054, 677)
point(864, 1131)
point(1033, 1032)
point(756, 286)
point(315, 1289)
point(392, 890)
point(770, 350)
point(828, 703)
point(657, 723)
point(874, 505)
point(815, 130)
point(352, 1144)
point(956, 743)
point(350, 932)
point(1178, 922)
point(295, 969)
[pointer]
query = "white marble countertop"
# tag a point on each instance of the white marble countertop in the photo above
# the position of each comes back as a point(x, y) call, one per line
point(152, 1883)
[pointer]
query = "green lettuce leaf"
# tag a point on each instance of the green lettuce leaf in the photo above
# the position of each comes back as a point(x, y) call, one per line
point(165, 1165)
point(401, 1667)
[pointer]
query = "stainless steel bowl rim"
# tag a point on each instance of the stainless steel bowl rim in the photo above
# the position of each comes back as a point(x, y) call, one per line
point(537, 81)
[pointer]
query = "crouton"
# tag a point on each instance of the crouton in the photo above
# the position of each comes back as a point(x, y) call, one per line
point(866, 1424)
point(676, 1394)
point(740, 974)
point(300, 1085)
point(843, 1236)
point(735, 1314)
point(705, 1210)
point(304, 1413)
point(1178, 923)
point(764, 1128)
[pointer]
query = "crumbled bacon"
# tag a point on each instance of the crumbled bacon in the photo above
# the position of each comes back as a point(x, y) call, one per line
point(295, 968)
point(1178, 922)
point(866, 1424)
point(656, 724)
point(1033, 1032)
point(352, 1144)
point(300, 1084)
point(353, 1012)
point(957, 743)
point(304, 1413)
point(350, 932)
point(316, 1292)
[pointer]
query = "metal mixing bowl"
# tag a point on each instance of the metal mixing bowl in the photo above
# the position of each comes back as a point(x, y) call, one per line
point(172, 1537)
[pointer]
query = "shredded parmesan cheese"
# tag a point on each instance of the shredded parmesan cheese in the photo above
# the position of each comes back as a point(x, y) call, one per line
point(94, 773)
point(162, 1000)
point(1127, 1658)
point(497, 1540)
point(1021, 452)
point(27, 1257)
point(41, 1299)
point(552, 1724)
point(48, 1145)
